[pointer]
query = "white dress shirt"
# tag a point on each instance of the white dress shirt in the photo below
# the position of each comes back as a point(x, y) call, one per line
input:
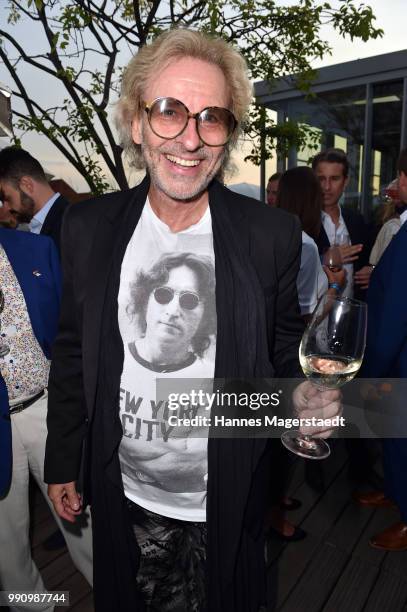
point(403, 217)
point(338, 234)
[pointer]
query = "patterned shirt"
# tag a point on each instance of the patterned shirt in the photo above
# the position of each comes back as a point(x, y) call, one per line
point(25, 368)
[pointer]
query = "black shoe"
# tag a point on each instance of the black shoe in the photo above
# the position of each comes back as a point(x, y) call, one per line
point(55, 541)
point(293, 504)
point(299, 534)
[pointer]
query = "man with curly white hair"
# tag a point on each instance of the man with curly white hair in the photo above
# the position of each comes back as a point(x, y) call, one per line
point(162, 541)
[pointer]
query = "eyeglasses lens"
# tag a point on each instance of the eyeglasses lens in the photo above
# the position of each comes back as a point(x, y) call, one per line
point(168, 118)
point(187, 299)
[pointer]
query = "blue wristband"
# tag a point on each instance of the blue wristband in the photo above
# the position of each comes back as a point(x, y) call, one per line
point(335, 286)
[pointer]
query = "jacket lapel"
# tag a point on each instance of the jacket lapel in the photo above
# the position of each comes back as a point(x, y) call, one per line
point(110, 242)
point(323, 241)
point(349, 220)
point(54, 215)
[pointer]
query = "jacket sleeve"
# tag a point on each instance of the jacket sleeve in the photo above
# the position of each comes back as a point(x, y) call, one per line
point(387, 314)
point(66, 421)
point(51, 313)
point(289, 325)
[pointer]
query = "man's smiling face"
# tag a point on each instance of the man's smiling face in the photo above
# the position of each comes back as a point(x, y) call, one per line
point(182, 168)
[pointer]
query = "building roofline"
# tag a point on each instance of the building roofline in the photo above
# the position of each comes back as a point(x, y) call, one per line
point(384, 67)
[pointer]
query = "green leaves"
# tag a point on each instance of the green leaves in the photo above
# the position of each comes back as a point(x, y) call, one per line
point(86, 42)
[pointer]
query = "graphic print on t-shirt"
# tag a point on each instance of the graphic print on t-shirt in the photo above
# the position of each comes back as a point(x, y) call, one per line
point(167, 320)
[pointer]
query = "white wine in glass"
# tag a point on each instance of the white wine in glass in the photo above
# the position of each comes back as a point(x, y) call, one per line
point(332, 259)
point(331, 353)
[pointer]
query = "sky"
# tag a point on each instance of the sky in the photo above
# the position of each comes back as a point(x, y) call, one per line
point(391, 17)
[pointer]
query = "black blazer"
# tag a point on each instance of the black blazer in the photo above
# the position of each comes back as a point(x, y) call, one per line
point(53, 221)
point(94, 238)
point(359, 233)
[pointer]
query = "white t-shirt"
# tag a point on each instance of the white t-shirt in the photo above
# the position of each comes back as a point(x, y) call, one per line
point(312, 281)
point(167, 321)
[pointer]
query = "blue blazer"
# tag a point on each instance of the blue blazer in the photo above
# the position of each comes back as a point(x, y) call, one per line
point(36, 265)
point(386, 348)
point(386, 351)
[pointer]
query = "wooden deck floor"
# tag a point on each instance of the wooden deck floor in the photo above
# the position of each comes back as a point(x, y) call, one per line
point(332, 570)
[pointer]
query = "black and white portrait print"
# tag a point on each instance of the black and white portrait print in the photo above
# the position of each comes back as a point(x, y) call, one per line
point(172, 308)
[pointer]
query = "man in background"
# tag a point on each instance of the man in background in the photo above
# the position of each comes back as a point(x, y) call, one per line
point(386, 357)
point(272, 188)
point(26, 192)
point(342, 226)
point(35, 207)
point(30, 283)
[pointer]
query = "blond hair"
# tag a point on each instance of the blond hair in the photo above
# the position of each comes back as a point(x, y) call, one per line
point(169, 46)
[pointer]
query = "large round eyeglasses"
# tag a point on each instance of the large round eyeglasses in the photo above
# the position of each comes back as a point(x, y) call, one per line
point(169, 117)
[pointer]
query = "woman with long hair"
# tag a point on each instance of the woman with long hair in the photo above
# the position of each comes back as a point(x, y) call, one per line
point(300, 193)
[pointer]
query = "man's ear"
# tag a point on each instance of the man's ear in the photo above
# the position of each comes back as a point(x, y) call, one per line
point(136, 130)
point(27, 184)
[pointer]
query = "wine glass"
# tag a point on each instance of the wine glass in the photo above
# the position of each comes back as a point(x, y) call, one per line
point(332, 259)
point(341, 238)
point(331, 353)
point(4, 349)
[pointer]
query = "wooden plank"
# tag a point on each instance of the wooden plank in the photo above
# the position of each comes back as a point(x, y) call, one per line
point(297, 476)
point(381, 519)
point(396, 563)
point(295, 558)
point(317, 581)
point(350, 526)
point(330, 507)
point(39, 511)
point(43, 530)
point(84, 605)
point(353, 587)
point(43, 557)
point(310, 500)
point(287, 571)
point(58, 570)
point(388, 595)
point(77, 586)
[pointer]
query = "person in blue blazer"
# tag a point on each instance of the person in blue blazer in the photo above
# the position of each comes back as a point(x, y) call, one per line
point(30, 279)
point(386, 357)
point(26, 255)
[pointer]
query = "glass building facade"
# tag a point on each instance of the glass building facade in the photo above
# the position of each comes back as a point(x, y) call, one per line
point(360, 107)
